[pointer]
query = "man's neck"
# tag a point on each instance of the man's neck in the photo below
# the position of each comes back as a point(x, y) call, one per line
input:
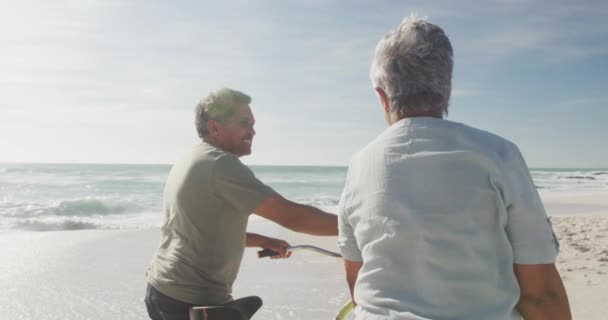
point(210, 140)
point(430, 114)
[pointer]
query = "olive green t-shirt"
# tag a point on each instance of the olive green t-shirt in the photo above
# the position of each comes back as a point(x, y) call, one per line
point(208, 197)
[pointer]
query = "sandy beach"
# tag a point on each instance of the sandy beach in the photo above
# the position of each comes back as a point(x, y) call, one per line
point(94, 274)
point(583, 259)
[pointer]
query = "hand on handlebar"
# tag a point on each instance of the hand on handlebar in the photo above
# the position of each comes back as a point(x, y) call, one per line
point(278, 248)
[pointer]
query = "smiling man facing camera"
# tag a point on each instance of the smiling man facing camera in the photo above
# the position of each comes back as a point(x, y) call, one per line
point(208, 198)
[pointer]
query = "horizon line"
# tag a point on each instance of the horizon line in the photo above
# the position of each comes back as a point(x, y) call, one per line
point(254, 165)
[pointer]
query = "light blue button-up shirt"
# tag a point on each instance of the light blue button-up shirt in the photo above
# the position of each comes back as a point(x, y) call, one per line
point(438, 212)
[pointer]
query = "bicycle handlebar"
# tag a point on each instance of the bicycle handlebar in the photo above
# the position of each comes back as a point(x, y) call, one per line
point(267, 252)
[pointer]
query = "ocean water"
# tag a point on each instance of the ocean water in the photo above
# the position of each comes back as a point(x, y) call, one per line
point(46, 197)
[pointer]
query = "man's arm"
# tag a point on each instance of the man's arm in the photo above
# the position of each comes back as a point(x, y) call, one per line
point(276, 245)
point(298, 217)
point(352, 271)
point(542, 292)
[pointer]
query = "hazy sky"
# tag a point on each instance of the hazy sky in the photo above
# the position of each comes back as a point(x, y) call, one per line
point(116, 81)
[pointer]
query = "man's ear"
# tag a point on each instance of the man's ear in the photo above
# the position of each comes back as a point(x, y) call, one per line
point(383, 100)
point(386, 107)
point(213, 127)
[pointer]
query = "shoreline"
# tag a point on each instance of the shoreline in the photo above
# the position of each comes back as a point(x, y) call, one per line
point(88, 274)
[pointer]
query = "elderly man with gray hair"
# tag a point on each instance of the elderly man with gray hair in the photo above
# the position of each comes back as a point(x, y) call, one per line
point(439, 220)
point(208, 198)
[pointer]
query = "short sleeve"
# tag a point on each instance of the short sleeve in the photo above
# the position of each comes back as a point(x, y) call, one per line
point(236, 184)
point(347, 243)
point(528, 227)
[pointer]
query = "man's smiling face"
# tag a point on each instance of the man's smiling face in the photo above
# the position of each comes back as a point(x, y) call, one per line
point(236, 135)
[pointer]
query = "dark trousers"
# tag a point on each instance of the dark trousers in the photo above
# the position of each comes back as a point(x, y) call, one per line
point(163, 307)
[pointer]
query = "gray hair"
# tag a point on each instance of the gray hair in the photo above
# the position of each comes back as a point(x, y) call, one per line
point(218, 106)
point(413, 66)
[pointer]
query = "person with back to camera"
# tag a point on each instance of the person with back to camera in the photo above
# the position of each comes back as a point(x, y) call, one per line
point(439, 220)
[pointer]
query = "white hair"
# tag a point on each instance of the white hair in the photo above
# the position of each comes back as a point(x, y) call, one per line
point(218, 106)
point(413, 66)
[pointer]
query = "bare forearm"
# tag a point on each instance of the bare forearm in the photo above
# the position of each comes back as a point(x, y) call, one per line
point(298, 217)
point(254, 240)
point(554, 306)
point(351, 288)
point(313, 221)
point(543, 295)
point(277, 245)
point(352, 273)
